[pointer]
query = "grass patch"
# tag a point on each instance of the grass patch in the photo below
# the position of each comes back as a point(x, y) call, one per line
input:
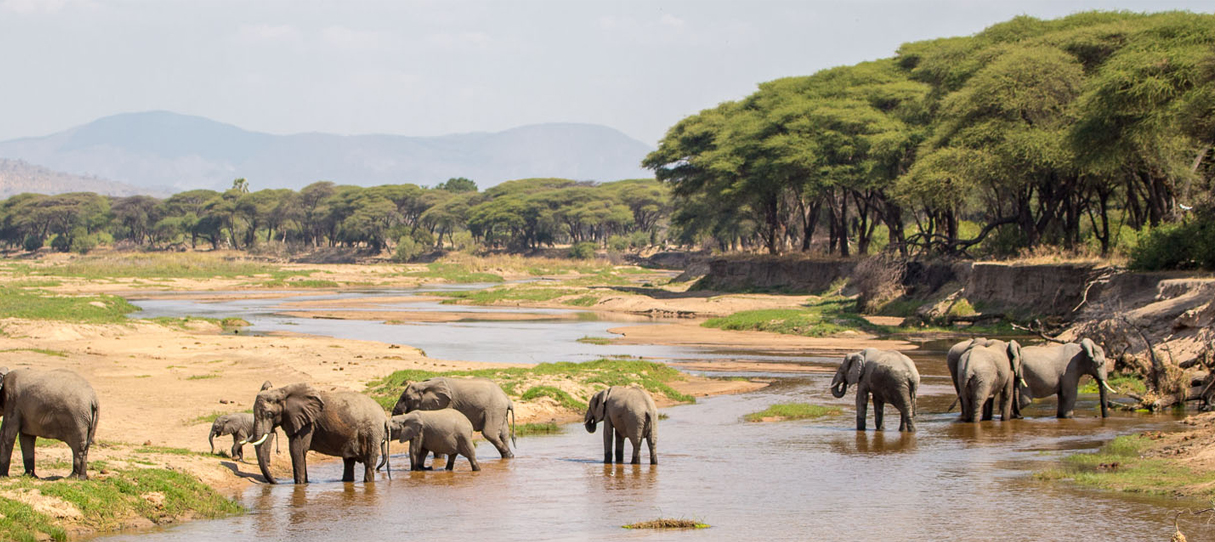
point(561, 396)
point(652, 376)
point(43, 305)
point(43, 351)
point(106, 503)
point(544, 428)
point(1120, 383)
point(35, 284)
point(312, 283)
point(667, 523)
point(182, 323)
point(202, 377)
point(508, 293)
point(584, 301)
point(793, 411)
point(452, 272)
point(595, 340)
point(164, 265)
point(825, 317)
point(1119, 466)
point(165, 450)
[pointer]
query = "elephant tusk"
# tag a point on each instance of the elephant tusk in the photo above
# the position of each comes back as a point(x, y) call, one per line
point(258, 442)
point(1021, 382)
point(1107, 387)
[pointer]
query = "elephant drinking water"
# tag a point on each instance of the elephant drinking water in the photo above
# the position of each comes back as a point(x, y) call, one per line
point(1056, 370)
point(626, 411)
point(889, 377)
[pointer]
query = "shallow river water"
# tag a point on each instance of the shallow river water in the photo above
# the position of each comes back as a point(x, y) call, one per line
point(800, 480)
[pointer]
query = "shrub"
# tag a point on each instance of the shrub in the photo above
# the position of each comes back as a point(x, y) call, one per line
point(1176, 246)
point(583, 251)
point(618, 243)
point(407, 249)
point(32, 242)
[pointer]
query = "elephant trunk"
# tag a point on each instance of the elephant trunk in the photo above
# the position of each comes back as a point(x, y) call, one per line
point(839, 385)
point(590, 425)
point(1101, 388)
point(262, 430)
point(211, 441)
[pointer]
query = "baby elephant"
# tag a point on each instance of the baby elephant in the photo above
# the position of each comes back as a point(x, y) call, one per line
point(56, 404)
point(240, 426)
point(625, 411)
point(889, 377)
point(444, 431)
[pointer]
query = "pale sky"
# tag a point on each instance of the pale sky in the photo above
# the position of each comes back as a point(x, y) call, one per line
point(439, 67)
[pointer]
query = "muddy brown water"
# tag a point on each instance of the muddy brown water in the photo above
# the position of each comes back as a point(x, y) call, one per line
point(796, 480)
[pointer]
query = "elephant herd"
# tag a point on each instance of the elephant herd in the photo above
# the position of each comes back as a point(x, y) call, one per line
point(439, 415)
point(986, 374)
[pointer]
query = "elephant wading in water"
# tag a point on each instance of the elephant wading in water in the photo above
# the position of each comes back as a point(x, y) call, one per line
point(56, 404)
point(240, 426)
point(1056, 370)
point(625, 411)
point(986, 372)
point(444, 431)
point(889, 377)
point(344, 424)
point(479, 399)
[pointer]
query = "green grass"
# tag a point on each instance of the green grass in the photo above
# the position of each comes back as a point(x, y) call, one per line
point(508, 293)
point(1120, 383)
point(561, 396)
point(1119, 466)
point(595, 340)
point(667, 523)
point(42, 305)
point(452, 272)
point(604, 372)
point(543, 428)
point(43, 351)
point(35, 284)
point(312, 283)
point(163, 265)
point(202, 377)
point(793, 411)
point(181, 323)
point(166, 450)
point(106, 503)
point(825, 317)
point(584, 301)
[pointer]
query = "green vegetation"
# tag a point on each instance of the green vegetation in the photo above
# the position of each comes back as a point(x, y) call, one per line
point(105, 503)
point(595, 340)
point(1121, 383)
point(453, 272)
point(1176, 246)
point(667, 523)
point(162, 265)
point(181, 323)
point(561, 396)
point(202, 377)
point(1119, 465)
point(507, 293)
point(165, 450)
point(584, 301)
point(43, 351)
point(793, 411)
point(827, 316)
point(42, 305)
point(541, 428)
point(1030, 133)
point(604, 372)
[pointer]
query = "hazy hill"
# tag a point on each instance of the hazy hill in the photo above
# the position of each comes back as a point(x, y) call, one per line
point(168, 150)
point(17, 176)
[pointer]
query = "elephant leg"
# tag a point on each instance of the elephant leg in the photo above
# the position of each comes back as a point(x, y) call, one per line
point(80, 461)
point(619, 446)
point(238, 449)
point(27, 453)
point(369, 462)
point(1006, 402)
point(8, 437)
point(653, 454)
point(636, 442)
point(348, 469)
point(879, 412)
point(299, 456)
point(493, 433)
point(416, 459)
point(862, 404)
point(451, 462)
point(470, 452)
point(1067, 403)
point(608, 433)
point(426, 452)
point(988, 407)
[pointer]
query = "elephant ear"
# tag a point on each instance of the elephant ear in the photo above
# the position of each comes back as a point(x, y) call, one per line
point(437, 395)
point(301, 408)
point(266, 385)
point(1014, 360)
point(598, 406)
point(1090, 348)
point(3, 373)
point(856, 366)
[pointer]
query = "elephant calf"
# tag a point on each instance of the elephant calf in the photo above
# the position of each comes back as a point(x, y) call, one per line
point(444, 431)
point(626, 411)
point(240, 426)
point(56, 404)
point(889, 377)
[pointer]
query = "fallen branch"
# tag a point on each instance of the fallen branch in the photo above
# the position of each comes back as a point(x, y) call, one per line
point(1039, 332)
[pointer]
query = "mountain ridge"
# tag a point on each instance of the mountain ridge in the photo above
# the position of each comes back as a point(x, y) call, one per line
point(164, 150)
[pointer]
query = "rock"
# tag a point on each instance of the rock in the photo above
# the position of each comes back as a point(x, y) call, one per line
point(155, 498)
point(147, 443)
point(97, 304)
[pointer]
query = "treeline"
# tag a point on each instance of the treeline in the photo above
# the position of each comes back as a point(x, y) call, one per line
point(1080, 131)
point(515, 215)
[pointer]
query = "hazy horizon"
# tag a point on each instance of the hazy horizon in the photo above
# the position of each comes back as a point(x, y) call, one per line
point(428, 68)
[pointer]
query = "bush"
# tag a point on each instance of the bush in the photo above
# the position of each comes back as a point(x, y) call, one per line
point(618, 243)
point(407, 249)
point(32, 243)
point(1176, 246)
point(583, 251)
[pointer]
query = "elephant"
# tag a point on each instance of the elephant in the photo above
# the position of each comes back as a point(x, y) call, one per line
point(479, 399)
point(890, 377)
point(1056, 370)
point(240, 426)
point(58, 404)
point(445, 431)
point(984, 372)
point(955, 355)
point(345, 424)
point(626, 411)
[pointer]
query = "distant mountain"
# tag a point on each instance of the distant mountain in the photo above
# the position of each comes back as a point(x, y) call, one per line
point(17, 176)
point(163, 150)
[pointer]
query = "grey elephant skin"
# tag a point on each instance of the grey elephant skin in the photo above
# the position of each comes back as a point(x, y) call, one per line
point(626, 412)
point(887, 377)
point(481, 400)
point(1056, 370)
point(444, 431)
point(58, 404)
point(240, 426)
point(986, 375)
point(348, 425)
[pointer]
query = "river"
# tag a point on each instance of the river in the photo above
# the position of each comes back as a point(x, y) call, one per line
point(798, 480)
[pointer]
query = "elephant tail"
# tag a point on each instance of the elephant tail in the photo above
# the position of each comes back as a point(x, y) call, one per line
point(651, 427)
point(93, 424)
point(913, 385)
point(513, 444)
